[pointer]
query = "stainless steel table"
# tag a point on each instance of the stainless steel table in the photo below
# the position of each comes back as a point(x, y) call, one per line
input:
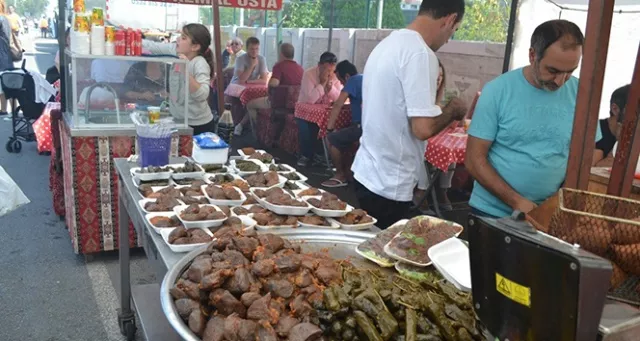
point(145, 298)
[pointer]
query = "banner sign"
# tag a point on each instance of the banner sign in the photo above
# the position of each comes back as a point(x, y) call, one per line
point(271, 5)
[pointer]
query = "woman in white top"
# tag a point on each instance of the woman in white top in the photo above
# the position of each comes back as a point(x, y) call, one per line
point(192, 45)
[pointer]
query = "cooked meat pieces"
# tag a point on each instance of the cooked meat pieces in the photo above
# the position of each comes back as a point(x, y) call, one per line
point(231, 193)
point(170, 191)
point(201, 213)
point(214, 168)
point(249, 297)
point(260, 310)
point(235, 258)
point(264, 157)
point(224, 192)
point(199, 268)
point(153, 169)
point(242, 281)
point(181, 236)
point(190, 182)
point(328, 201)
point(310, 191)
point(328, 272)
point(285, 324)
point(313, 220)
point(356, 217)
point(226, 303)
point(215, 279)
point(188, 167)
point(300, 307)
point(305, 332)
point(248, 150)
point(266, 332)
point(214, 331)
point(162, 204)
point(263, 179)
point(271, 242)
point(272, 219)
point(197, 322)
point(241, 184)
point(220, 179)
point(247, 166)
point(194, 200)
point(225, 209)
point(192, 191)
point(246, 245)
point(292, 176)
point(304, 278)
point(280, 288)
point(172, 221)
point(189, 288)
point(250, 200)
point(185, 306)
point(237, 329)
point(263, 268)
point(288, 263)
point(240, 210)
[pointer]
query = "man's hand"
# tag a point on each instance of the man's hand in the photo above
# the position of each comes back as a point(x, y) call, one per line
point(457, 107)
point(525, 206)
point(254, 61)
point(324, 78)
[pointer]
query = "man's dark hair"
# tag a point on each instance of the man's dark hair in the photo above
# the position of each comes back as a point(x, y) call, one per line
point(287, 50)
point(553, 30)
point(619, 98)
point(345, 68)
point(252, 41)
point(328, 57)
point(441, 8)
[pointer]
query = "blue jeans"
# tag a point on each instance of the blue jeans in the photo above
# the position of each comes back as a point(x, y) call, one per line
point(307, 137)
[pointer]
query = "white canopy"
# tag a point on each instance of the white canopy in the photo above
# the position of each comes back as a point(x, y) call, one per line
point(623, 43)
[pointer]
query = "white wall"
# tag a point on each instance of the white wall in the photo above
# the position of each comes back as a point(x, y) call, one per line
point(623, 44)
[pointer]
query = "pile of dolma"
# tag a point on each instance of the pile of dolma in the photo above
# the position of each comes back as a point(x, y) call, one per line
point(372, 306)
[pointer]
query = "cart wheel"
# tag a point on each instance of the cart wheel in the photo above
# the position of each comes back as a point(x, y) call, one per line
point(130, 330)
point(17, 146)
point(9, 146)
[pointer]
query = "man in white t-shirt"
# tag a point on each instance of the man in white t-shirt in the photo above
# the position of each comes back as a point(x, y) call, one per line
point(399, 111)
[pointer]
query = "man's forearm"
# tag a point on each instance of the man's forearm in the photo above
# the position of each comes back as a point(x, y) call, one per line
point(481, 170)
point(244, 75)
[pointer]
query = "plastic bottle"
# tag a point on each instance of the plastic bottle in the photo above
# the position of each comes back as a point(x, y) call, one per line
point(225, 125)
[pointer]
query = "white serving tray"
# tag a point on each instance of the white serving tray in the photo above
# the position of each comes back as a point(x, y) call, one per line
point(230, 203)
point(288, 167)
point(185, 247)
point(332, 225)
point(144, 201)
point(190, 175)
point(158, 230)
point(270, 228)
point(356, 227)
point(150, 176)
point(327, 213)
point(451, 258)
point(263, 167)
point(301, 176)
point(282, 181)
point(282, 210)
point(198, 224)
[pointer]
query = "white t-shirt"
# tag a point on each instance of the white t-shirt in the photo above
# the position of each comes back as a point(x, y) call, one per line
point(399, 82)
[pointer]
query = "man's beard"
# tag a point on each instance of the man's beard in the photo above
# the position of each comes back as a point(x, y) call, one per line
point(545, 85)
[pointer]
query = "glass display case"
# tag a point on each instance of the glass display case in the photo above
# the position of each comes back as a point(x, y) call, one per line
point(102, 91)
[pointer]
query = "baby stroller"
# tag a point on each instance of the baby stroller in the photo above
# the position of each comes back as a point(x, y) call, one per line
point(18, 84)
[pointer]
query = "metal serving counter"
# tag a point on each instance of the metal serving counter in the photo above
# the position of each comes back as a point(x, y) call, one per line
point(146, 298)
point(126, 127)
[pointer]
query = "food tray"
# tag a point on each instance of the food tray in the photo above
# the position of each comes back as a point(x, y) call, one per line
point(356, 227)
point(340, 245)
point(245, 156)
point(157, 189)
point(184, 247)
point(289, 168)
point(145, 201)
point(282, 181)
point(158, 230)
point(282, 210)
point(263, 167)
point(226, 169)
point(198, 224)
point(327, 213)
point(332, 225)
point(390, 253)
point(149, 176)
point(301, 177)
point(190, 175)
point(208, 176)
point(225, 202)
point(451, 258)
point(136, 182)
point(382, 259)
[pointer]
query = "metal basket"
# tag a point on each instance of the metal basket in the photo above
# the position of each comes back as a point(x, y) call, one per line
point(607, 226)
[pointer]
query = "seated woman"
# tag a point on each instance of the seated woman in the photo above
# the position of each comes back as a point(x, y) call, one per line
point(146, 81)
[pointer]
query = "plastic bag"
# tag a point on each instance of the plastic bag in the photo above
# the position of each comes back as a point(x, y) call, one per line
point(11, 196)
point(210, 141)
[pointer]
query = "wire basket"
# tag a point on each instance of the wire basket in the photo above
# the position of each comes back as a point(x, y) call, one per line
point(154, 151)
point(607, 226)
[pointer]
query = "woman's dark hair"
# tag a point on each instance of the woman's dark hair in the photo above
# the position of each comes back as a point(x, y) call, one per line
point(345, 68)
point(619, 98)
point(553, 30)
point(441, 88)
point(441, 8)
point(200, 35)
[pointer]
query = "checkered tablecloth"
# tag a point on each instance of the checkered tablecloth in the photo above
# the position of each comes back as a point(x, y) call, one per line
point(252, 92)
point(319, 114)
point(42, 128)
point(446, 148)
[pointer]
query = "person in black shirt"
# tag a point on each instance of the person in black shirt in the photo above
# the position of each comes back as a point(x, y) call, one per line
point(610, 126)
point(145, 82)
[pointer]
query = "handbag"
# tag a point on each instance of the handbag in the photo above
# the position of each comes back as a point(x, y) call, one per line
point(15, 47)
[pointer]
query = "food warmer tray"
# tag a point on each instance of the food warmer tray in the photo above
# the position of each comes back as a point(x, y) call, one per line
point(340, 244)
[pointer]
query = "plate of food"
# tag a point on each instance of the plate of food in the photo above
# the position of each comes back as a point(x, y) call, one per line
point(356, 220)
point(195, 181)
point(305, 191)
point(281, 167)
point(200, 216)
point(328, 205)
point(248, 167)
point(151, 173)
point(265, 180)
point(418, 273)
point(236, 222)
point(256, 154)
point(246, 151)
point(161, 204)
point(229, 179)
point(280, 202)
point(214, 168)
point(373, 249)
point(186, 170)
point(270, 221)
point(246, 210)
point(156, 192)
point(181, 239)
point(142, 184)
point(162, 221)
point(227, 195)
point(411, 245)
point(318, 222)
point(294, 176)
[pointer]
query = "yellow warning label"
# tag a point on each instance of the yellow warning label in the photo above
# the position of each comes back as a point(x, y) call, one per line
point(513, 291)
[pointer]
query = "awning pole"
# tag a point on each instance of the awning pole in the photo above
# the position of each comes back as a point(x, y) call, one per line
point(62, 41)
point(380, 12)
point(331, 19)
point(218, 56)
point(513, 16)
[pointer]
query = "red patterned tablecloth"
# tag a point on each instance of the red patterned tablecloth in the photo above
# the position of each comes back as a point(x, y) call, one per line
point(42, 128)
point(252, 92)
point(446, 148)
point(319, 114)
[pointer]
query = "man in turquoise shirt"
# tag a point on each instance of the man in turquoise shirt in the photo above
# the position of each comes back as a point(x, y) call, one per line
point(520, 134)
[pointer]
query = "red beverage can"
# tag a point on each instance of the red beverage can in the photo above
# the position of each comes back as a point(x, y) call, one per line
point(120, 43)
point(131, 37)
point(138, 43)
